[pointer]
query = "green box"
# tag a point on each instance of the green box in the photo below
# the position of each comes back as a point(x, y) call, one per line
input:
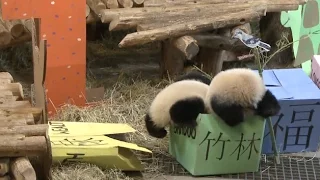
point(215, 148)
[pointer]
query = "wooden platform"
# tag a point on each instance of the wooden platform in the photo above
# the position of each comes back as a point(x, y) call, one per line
point(21, 137)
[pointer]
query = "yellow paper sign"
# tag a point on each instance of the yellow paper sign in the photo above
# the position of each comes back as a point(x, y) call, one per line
point(63, 128)
point(100, 150)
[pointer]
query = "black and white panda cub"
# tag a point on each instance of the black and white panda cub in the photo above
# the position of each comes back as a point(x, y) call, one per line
point(234, 92)
point(179, 103)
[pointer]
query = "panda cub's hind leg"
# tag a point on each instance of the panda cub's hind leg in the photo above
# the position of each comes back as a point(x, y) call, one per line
point(185, 112)
point(154, 131)
point(231, 114)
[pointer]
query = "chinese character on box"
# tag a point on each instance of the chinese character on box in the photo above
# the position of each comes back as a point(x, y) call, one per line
point(297, 126)
point(216, 148)
point(315, 72)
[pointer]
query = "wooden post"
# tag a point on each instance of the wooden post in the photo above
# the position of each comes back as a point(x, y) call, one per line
point(171, 62)
point(211, 60)
point(272, 31)
point(22, 169)
point(63, 26)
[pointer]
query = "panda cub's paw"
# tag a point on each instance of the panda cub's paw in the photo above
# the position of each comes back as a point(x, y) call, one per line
point(153, 130)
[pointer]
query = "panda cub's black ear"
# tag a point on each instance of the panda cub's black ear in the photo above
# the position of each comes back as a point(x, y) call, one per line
point(268, 106)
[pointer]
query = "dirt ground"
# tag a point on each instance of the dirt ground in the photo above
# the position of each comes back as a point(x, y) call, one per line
point(131, 79)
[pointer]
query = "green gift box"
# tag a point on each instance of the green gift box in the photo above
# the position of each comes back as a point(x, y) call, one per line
point(215, 148)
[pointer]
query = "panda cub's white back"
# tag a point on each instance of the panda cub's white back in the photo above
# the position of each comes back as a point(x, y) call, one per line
point(179, 102)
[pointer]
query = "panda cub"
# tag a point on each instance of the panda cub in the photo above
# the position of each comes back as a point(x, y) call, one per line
point(234, 92)
point(179, 103)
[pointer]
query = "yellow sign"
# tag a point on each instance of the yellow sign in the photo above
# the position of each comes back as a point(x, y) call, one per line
point(63, 128)
point(86, 142)
point(100, 150)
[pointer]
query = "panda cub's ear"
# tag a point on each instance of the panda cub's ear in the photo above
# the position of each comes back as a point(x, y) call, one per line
point(268, 106)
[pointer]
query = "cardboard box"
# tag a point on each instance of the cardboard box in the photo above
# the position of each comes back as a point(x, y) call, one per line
point(216, 148)
point(315, 70)
point(297, 126)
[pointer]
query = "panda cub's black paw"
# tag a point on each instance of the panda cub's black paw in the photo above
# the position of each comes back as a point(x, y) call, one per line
point(153, 130)
point(185, 112)
point(160, 133)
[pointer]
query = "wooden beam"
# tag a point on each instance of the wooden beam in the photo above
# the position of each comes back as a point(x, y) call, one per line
point(201, 25)
point(187, 45)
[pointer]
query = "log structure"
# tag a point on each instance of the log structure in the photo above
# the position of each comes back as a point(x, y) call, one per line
point(21, 137)
point(13, 32)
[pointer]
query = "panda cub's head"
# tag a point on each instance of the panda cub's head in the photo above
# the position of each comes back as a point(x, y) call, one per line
point(236, 91)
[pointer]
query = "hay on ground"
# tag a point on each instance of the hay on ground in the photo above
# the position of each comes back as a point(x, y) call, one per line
point(125, 102)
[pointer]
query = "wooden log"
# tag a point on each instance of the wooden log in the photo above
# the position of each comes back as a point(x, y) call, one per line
point(125, 3)
point(15, 27)
point(166, 3)
point(87, 10)
point(6, 75)
point(283, 5)
point(5, 81)
point(16, 89)
point(96, 6)
point(14, 42)
point(212, 59)
point(187, 45)
point(138, 2)
point(202, 25)
point(25, 118)
point(244, 27)
point(7, 177)
point(15, 104)
point(108, 15)
point(218, 42)
point(149, 15)
point(274, 4)
point(5, 36)
point(153, 20)
point(126, 21)
point(111, 4)
point(28, 130)
point(22, 169)
point(92, 18)
point(9, 98)
point(272, 31)
point(36, 112)
point(4, 166)
point(28, 23)
point(5, 93)
point(12, 136)
point(13, 122)
point(172, 59)
point(28, 146)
